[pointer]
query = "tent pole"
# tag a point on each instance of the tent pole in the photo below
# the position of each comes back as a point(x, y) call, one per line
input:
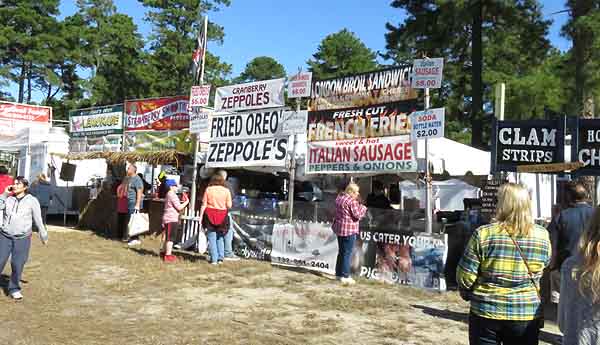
point(292, 176)
point(428, 192)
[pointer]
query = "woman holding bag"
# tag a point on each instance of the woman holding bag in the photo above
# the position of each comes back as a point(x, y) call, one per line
point(216, 203)
point(501, 270)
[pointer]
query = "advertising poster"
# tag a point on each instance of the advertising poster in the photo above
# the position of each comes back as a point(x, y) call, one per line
point(362, 90)
point(587, 150)
point(96, 121)
point(253, 236)
point(199, 95)
point(247, 139)
point(308, 245)
point(299, 85)
point(378, 120)
point(159, 114)
point(158, 141)
point(248, 96)
point(530, 142)
point(427, 73)
point(17, 116)
point(105, 143)
point(427, 124)
point(415, 259)
point(365, 155)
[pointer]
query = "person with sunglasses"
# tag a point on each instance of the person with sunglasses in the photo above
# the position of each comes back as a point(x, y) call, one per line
point(17, 213)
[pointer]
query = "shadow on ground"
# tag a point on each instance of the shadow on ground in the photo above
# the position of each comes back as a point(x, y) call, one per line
point(550, 338)
point(181, 255)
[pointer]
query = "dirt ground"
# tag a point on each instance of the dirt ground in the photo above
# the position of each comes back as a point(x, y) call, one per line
point(84, 289)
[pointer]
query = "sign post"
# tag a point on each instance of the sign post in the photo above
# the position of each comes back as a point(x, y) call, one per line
point(427, 73)
point(192, 208)
point(298, 87)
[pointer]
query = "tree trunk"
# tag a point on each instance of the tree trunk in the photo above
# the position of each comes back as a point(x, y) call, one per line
point(582, 44)
point(22, 82)
point(29, 82)
point(476, 78)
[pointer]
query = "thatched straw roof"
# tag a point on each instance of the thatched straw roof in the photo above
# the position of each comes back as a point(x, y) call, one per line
point(150, 157)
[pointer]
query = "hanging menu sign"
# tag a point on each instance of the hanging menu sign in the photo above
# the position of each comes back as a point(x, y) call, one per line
point(530, 142)
point(587, 147)
point(489, 198)
point(248, 139)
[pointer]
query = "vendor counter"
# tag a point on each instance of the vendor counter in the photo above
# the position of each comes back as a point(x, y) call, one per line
point(155, 209)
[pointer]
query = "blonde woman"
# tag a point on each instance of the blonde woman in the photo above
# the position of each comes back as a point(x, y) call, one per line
point(501, 270)
point(348, 213)
point(579, 305)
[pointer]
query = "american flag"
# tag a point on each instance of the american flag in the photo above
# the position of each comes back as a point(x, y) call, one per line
point(199, 53)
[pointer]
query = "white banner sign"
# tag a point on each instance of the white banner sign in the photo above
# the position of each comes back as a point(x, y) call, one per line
point(294, 122)
point(299, 85)
point(427, 124)
point(255, 95)
point(427, 73)
point(248, 139)
point(312, 246)
point(199, 96)
point(364, 155)
point(200, 123)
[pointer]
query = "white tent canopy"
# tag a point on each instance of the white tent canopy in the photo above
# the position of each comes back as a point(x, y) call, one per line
point(448, 195)
point(453, 157)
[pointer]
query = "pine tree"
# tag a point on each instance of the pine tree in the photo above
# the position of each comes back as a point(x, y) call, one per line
point(176, 24)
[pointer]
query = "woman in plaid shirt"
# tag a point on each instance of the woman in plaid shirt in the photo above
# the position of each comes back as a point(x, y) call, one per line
point(504, 289)
point(348, 213)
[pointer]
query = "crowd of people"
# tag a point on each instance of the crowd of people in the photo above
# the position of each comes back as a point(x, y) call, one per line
point(503, 263)
point(499, 273)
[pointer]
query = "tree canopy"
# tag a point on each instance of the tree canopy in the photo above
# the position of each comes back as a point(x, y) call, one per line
point(261, 68)
point(341, 53)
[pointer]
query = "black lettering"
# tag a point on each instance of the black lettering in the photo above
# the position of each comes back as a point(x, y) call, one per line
point(266, 97)
point(257, 146)
point(238, 125)
point(257, 123)
point(211, 150)
point(229, 150)
point(274, 124)
point(239, 147)
point(268, 144)
point(249, 124)
point(281, 149)
point(247, 155)
point(220, 152)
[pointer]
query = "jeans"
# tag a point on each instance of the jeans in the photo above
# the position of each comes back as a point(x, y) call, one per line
point(216, 246)
point(345, 246)
point(483, 331)
point(18, 250)
point(122, 222)
point(229, 240)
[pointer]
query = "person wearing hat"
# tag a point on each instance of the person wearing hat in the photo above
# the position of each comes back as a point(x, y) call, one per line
point(17, 213)
point(162, 188)
point(170, 220)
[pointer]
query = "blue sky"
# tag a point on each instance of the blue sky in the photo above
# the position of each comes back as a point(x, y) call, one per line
point(290, 31)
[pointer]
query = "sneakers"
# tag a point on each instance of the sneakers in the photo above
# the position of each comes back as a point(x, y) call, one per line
point(214, 263)
point(231, 258)
point(220, 262)
point(169, 258)
point(347, 281)
point(16, 295)
point(133, 243)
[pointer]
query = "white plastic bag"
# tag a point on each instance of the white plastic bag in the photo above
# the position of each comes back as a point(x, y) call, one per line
point(138, 224)
point(202, 242)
